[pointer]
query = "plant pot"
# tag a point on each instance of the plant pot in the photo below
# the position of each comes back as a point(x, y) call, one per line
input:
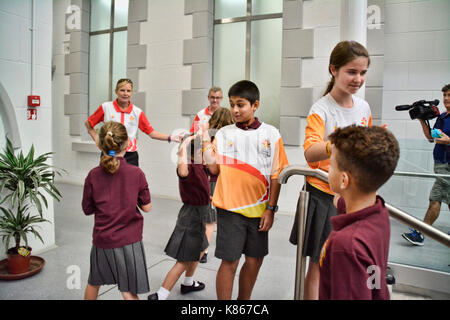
point(17, 263)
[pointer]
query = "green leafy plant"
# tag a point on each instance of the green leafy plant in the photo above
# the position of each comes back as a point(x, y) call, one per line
point(26, 177)
point(18, 225)
point(26, 181)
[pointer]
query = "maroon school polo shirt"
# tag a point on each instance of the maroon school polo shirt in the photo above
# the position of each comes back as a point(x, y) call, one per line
point(194, 188)
point(112, 198)
point(353, 260)
point(253, 126)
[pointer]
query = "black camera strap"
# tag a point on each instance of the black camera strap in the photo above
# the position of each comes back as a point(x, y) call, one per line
point(428, 125)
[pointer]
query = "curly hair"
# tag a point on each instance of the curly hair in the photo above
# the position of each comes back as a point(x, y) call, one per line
point(446, 88)
point(369, 154)
point(112, 137)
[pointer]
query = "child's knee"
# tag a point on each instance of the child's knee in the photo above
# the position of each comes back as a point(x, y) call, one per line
point(257, 262)
point(230, 265)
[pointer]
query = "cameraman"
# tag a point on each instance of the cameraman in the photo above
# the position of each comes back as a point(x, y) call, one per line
point(441, 155)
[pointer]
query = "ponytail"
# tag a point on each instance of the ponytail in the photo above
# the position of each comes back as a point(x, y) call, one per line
point(329, 86)
point(110, 164)
point(113, 139)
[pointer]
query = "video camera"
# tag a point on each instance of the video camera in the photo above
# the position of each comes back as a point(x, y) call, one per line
point(423, 110)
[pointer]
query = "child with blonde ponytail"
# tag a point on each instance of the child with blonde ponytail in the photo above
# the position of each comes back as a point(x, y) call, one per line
point(110, 193)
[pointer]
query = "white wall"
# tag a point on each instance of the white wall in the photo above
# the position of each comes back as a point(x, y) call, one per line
point(323, 16)
point(15, 75)
point(76, 163)
point(164, 79)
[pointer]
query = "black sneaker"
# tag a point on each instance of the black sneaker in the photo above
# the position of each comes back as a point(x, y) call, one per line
point(204, 258)
point(153, 296)
point(196, 286)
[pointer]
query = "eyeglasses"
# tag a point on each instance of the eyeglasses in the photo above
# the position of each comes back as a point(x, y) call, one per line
point(215, 98)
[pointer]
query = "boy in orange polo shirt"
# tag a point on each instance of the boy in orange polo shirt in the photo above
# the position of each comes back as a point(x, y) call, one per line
point(249, 156)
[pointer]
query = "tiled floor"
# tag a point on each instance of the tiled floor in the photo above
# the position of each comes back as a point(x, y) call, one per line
point(67, 266)
point(57, 280)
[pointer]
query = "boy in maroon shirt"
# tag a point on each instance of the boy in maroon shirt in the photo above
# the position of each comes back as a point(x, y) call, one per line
point(353, 260)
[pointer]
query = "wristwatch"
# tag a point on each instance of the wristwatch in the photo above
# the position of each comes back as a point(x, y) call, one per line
point(272, 208)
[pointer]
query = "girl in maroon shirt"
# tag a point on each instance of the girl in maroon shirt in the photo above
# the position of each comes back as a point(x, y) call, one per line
point(188, 240)
point(113, 191)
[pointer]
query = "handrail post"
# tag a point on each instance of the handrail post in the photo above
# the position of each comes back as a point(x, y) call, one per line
point(300, 268)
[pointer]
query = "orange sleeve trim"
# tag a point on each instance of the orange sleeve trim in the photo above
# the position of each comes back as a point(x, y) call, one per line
point(314, 131)
point(280, 160)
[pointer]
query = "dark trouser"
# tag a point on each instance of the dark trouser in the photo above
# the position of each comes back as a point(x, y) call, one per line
point(318, 226)
point(132, 158)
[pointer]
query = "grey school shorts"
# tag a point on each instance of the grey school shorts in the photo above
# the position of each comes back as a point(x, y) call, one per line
point(441, 187)
point(237, 235)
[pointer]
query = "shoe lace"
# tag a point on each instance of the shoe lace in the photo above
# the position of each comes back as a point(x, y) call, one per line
point(414, 232)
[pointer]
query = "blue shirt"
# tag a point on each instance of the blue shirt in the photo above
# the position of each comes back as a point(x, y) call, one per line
point(441, 152)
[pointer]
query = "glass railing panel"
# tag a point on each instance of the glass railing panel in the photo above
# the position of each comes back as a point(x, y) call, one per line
point(411, 194)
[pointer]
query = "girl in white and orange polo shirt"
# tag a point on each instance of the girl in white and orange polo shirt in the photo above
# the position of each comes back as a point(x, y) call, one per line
point(339, 107)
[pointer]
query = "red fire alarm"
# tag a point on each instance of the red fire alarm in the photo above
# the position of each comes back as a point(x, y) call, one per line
point(34, 101)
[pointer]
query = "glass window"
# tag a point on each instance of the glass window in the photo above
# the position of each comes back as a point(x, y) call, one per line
point(120, 13)
point(249, 47)
point(100, 15)
point(267, 6)
point(230, 8)
point(229, 54)
point(265, 67)
point(120, 58)
point(98, 70)
point(108, 49)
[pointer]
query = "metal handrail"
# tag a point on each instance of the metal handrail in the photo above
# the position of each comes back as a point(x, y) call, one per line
point(420, 174)
point(302, 207)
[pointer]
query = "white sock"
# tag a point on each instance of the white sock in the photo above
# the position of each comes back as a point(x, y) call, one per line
point(188, 281)
point(163, 293)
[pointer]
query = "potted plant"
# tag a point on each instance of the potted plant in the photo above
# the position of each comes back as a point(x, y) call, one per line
point(17, 226)
point(25, 181)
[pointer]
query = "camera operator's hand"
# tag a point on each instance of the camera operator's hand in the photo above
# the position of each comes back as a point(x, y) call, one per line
point(445, 139)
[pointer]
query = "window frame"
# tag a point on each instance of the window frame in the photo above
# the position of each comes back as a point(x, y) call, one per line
point(111, 30)
point(248, 19)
